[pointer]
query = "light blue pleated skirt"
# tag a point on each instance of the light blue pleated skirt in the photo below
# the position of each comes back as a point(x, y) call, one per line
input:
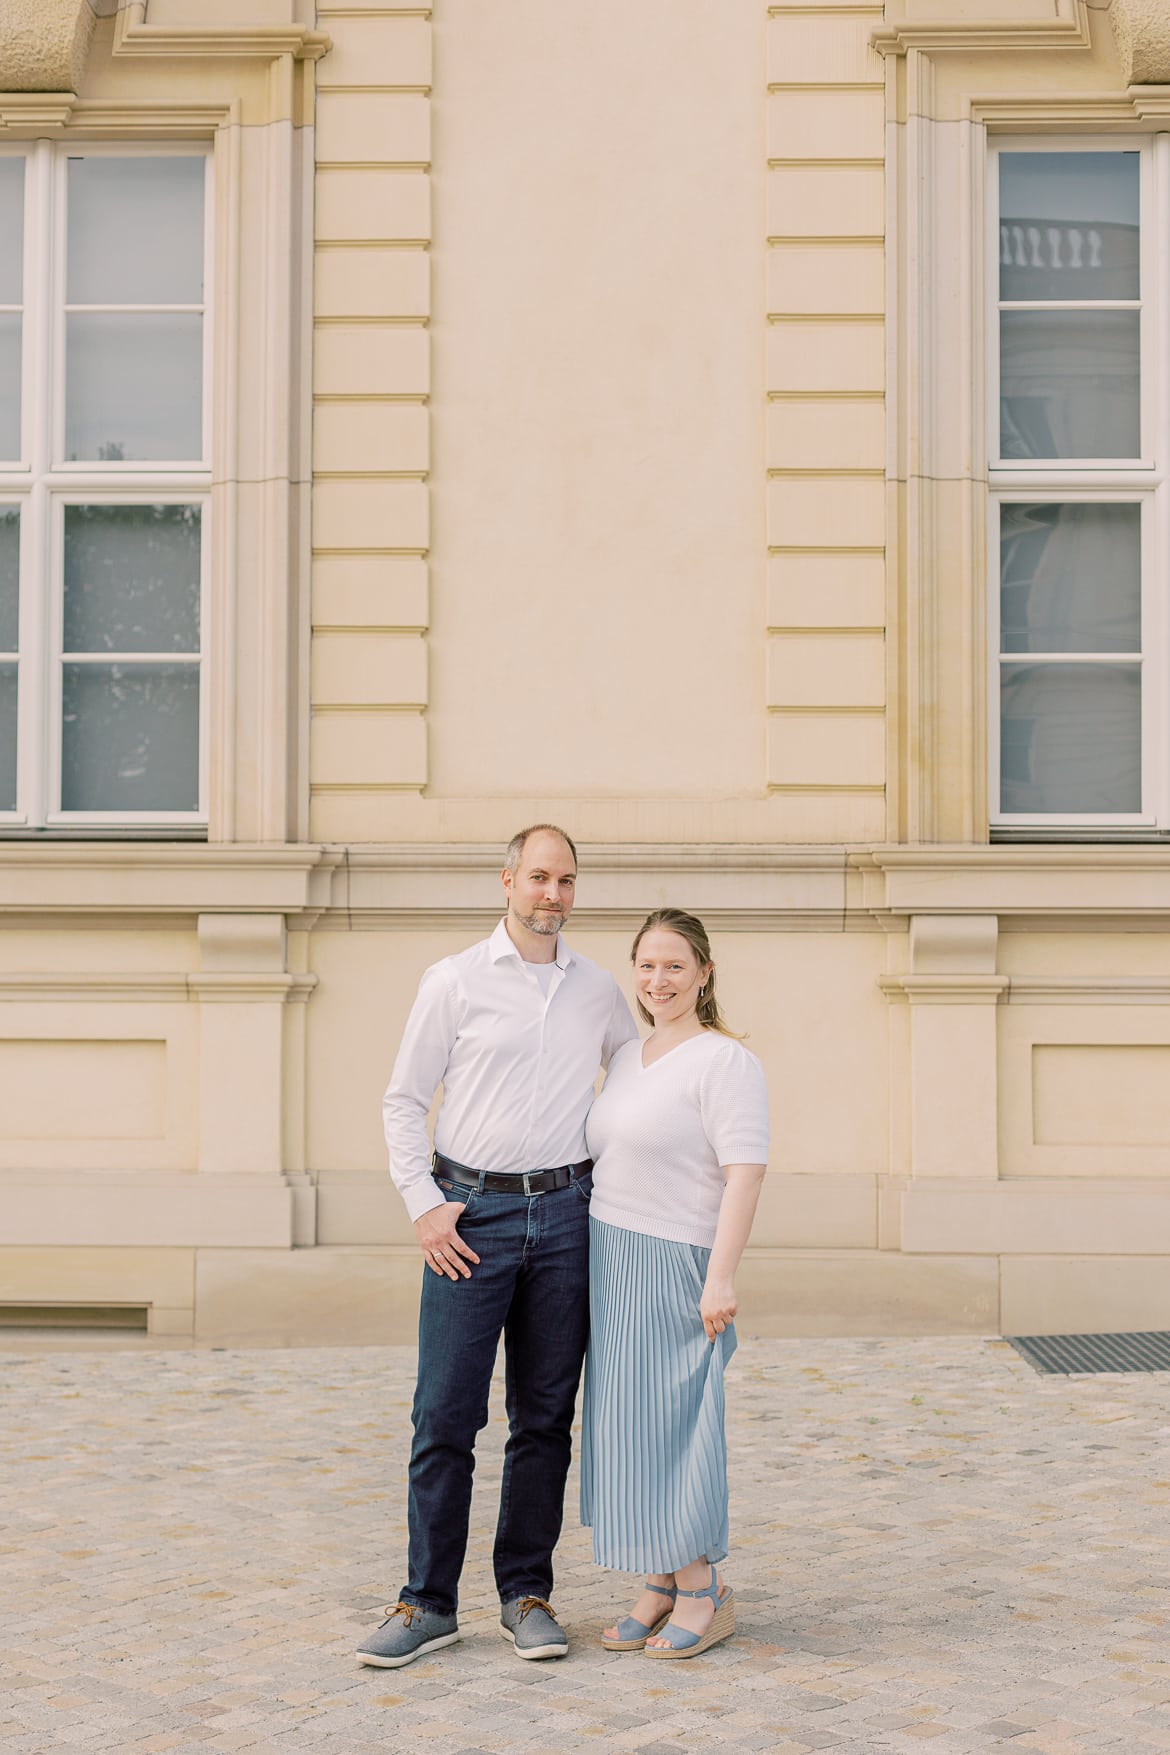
point(653, 1449)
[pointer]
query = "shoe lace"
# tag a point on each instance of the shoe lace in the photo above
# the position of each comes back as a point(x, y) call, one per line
point(528, 1603)
point(410, 1612)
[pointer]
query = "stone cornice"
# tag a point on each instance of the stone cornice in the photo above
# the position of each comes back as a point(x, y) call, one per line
point(31, 114)
point(163, 880)
point(43, 44)
point(1038, 24)
point(1142, 30)
point(453, 886)
point(134, 36)
point(1073, 884)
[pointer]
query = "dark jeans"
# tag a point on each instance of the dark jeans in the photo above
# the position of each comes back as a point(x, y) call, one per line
point(532, 1282)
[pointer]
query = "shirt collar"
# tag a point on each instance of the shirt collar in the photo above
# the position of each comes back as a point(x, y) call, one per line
point(501, 946)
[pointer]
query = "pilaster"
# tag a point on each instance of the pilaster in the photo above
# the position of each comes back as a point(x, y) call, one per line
point(371, 452)
point(952, 989)
point(825, 435)
point(242, 989)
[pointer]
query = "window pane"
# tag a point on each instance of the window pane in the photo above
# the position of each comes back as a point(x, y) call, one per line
point(131, 579)
point(130, 737)
point(9, 579)
point(1069, 384)
point(1068, 225)
point(1070, 738)
point(154, 208)
point(1071, 578)
point(9, 385)
point(7, 737)
point(134, 387)
point(12, 231)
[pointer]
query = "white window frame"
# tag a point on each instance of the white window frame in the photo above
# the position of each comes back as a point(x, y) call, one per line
point(42, 485)
point(1143, 480)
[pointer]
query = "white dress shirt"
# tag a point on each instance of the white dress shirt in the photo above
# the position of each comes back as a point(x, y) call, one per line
point(517, 1067)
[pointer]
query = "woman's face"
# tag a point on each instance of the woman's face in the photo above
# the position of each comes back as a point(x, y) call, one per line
point(668, 975)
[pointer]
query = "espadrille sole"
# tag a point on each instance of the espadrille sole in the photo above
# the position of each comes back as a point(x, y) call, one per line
point(637, 1644)
point(722, 1627)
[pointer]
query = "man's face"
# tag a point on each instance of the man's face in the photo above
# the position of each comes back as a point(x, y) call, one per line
point(540, 895)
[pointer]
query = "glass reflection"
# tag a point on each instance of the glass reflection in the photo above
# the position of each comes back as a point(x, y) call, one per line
point(12, 231)
point(1070, 578)
point(1069, 225)
point(1070, 738)
point(1069, 384)
point(9, 579)
point(130, 737)
point(9, 386)
point(133, 387)
point(154, 208)
point(132, 579)
point(7, 737)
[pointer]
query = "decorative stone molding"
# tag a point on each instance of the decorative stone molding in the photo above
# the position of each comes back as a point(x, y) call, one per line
point(134, 35)
point(43, 43)
point(33, 114)
point(1027, 24)
point(1127, 887)
point(121, 879)
point(1142, 30)
point(948, 944)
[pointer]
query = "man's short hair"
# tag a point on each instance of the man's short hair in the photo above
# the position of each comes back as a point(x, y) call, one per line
point(518, 842)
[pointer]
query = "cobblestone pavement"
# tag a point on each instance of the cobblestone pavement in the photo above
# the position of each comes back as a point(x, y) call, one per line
point(932, 1546)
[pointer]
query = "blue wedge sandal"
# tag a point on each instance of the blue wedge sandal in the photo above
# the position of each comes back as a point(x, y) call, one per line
point(631, 1634)
point(688, 1645)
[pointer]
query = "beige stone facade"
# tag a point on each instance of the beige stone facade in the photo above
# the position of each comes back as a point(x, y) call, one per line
point(596, 405)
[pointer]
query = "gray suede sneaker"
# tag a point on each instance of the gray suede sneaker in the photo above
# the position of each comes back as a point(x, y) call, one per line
point(532, 1627)
point(407, 1633)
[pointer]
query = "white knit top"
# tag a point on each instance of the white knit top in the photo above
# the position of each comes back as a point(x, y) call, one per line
point(658, 1135)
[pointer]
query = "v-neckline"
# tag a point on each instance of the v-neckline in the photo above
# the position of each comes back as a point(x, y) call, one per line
point(667, 1052)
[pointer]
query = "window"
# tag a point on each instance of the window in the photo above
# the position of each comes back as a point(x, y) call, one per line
point(104, 486)
point(1079, 447)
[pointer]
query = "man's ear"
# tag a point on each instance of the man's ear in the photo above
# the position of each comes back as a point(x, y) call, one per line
point(506, 880)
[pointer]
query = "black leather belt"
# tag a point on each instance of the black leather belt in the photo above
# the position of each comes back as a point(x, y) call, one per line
point(509, 1182)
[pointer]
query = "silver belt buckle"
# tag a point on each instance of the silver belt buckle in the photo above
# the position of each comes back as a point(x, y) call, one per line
point(527, 1189)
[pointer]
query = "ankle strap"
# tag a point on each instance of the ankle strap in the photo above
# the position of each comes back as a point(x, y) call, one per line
point(712, 1590)
point(663, 1590)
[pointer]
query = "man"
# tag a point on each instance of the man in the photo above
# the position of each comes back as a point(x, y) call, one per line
point(514, 1029)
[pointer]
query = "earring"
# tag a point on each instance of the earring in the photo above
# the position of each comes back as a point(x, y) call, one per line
point(702, 990)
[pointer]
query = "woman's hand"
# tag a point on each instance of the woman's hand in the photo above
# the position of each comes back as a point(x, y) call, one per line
point(717, 1306)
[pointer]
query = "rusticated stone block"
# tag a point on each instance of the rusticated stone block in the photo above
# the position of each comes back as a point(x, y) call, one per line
point(1142, 29)
point(43, 43)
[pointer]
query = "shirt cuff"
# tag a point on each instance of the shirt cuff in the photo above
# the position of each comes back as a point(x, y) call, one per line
point(422, 1197)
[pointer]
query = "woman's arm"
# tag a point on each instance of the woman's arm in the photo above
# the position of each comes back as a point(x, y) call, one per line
point(737, 1210)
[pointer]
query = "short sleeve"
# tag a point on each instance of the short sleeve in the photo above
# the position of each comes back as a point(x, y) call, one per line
point(733, 1102)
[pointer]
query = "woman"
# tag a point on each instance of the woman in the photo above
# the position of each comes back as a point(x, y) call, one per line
point(679, 1140)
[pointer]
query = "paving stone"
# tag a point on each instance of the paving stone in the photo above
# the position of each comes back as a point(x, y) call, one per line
point(932, 1548)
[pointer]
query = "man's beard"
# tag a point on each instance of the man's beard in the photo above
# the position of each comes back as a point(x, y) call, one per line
point(546, 923)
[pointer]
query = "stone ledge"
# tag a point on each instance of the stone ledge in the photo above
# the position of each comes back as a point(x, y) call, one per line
point(1028, 24)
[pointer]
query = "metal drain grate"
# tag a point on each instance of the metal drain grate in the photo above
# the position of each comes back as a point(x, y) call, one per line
point(78, 1316)
point(1070, 1354)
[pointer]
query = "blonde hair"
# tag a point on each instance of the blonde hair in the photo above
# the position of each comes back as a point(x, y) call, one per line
point(690, 927)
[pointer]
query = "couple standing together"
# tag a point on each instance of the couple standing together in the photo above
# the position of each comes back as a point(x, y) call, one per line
point(558, 1220)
